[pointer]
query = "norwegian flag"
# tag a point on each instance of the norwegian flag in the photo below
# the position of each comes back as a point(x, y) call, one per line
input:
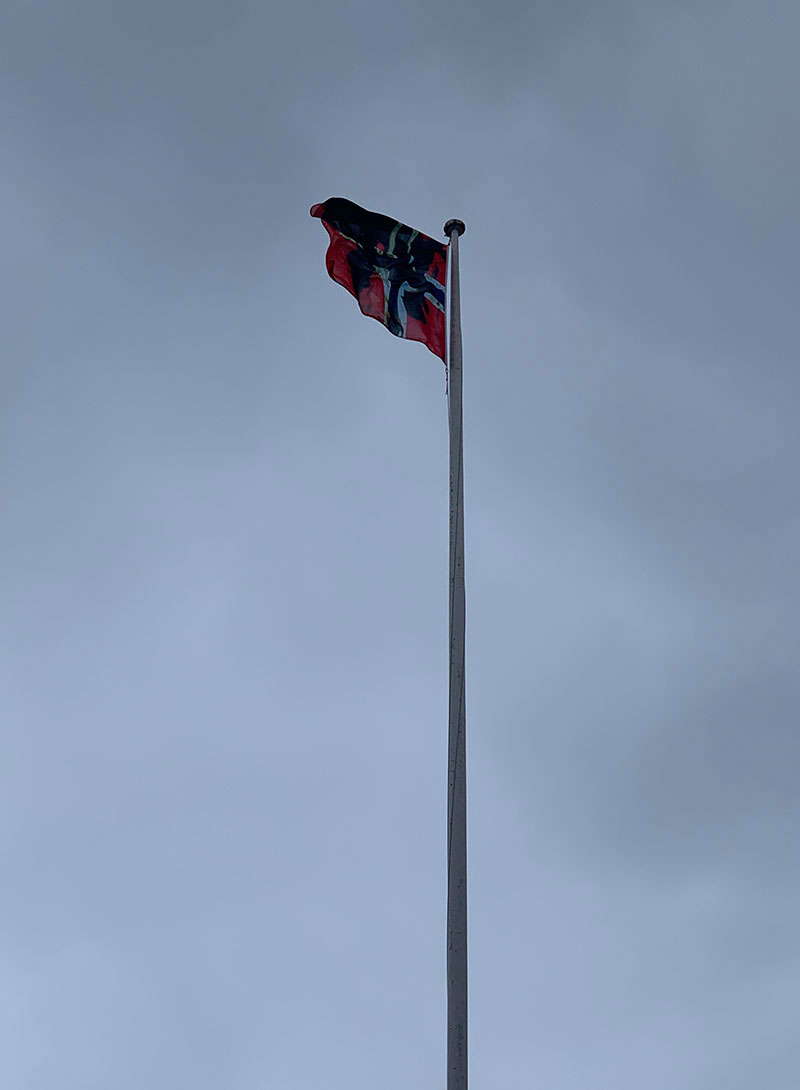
point(396, 274)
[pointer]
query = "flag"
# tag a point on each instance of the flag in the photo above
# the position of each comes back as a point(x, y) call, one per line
point(396, 274)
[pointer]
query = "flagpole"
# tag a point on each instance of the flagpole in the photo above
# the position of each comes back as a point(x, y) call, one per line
point(457, 765)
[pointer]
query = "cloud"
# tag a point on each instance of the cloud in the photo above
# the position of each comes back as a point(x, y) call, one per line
point(224, 547)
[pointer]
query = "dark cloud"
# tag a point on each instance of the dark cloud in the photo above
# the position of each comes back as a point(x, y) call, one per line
point(224, 547)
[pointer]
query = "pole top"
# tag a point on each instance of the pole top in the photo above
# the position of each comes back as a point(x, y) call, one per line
point(454, 225)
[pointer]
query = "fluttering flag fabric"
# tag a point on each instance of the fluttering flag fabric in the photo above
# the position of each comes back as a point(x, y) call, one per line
point(396, 274)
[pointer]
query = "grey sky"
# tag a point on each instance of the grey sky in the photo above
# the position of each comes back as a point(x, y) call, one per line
point(224, 554)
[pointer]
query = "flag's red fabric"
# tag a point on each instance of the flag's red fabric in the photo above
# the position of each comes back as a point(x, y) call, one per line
point(397, 274)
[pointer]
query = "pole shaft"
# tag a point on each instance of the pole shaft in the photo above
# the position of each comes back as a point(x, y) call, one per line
point(457, 767)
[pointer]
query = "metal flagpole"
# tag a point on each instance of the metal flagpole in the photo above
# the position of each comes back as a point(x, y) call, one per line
point(457, 765)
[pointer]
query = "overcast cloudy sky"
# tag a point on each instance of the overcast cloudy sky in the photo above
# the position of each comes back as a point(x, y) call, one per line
point(223, 545)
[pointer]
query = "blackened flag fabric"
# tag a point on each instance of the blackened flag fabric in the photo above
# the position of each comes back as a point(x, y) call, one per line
point(397, 274)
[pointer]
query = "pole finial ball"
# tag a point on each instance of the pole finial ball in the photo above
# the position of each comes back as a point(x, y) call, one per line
point(454, 225)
